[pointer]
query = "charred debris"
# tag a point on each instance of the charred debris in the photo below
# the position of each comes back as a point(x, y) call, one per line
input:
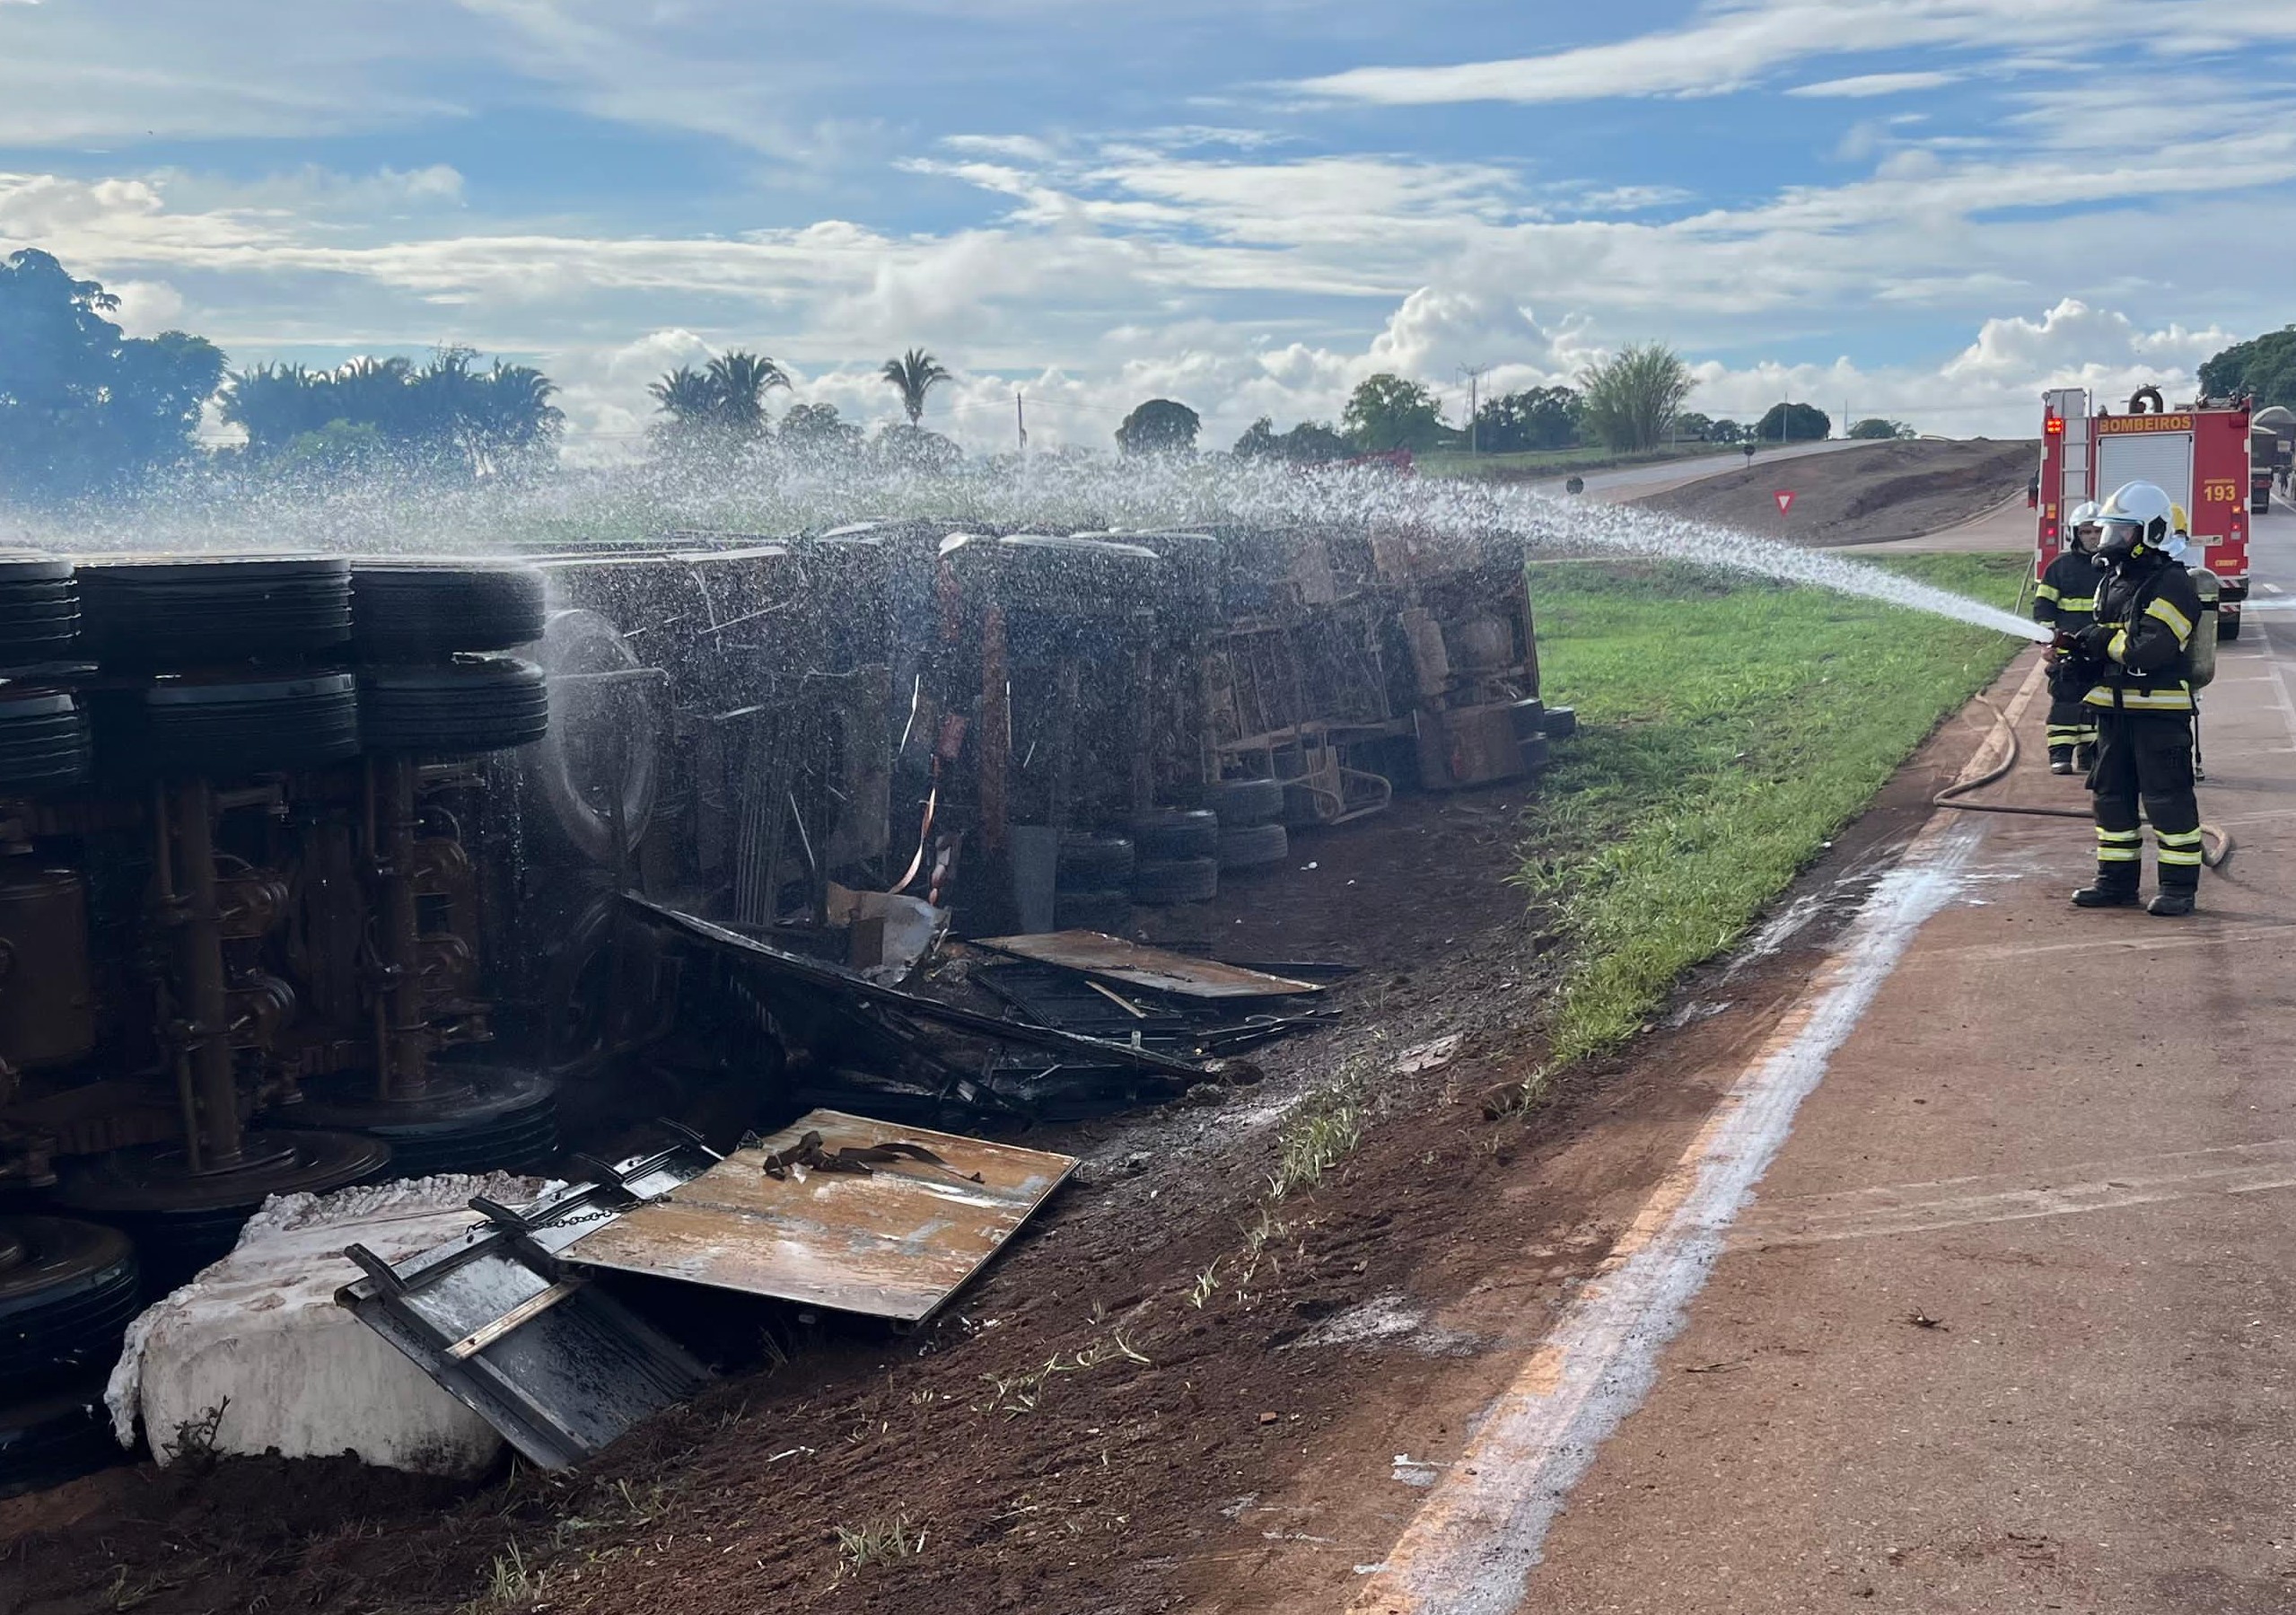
point(321, 870)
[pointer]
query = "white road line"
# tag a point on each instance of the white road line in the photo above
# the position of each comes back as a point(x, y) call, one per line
point(1473, 1544)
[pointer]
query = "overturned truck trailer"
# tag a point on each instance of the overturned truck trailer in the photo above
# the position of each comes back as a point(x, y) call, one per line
point(320, 870)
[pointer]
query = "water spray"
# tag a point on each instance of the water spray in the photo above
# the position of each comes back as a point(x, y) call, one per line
point(779, 492)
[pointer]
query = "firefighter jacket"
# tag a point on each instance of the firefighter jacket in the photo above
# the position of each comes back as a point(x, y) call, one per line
point(2154, 610)
point(2067, 591)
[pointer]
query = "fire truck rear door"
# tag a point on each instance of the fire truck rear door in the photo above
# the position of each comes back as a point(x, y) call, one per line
point(2163, 458)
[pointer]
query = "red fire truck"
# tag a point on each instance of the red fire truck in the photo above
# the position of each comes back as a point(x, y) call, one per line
point(2197, 451)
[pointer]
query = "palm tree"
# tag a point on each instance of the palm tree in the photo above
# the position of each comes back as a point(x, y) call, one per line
point(273, 404)
point(685, 395)
point(915, 374)
point(741, 379)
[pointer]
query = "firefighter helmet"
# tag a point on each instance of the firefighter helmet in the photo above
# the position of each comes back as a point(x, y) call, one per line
point(2082, 519)
point(2136, 517)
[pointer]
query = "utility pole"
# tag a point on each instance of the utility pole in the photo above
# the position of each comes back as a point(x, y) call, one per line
point(1474, 374)
point(1020, 420)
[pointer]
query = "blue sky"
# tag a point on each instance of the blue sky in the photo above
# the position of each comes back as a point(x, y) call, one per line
point(1928, 208)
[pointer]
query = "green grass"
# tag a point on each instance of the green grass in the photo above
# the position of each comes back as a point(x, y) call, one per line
point(1557, 463)
point(1729, 730)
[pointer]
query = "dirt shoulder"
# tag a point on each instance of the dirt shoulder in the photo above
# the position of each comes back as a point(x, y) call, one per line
point(1862, 495)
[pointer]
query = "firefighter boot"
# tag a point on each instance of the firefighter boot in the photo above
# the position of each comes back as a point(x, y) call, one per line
point(2104, 895)
point(2060, 759)
point(2172, 902)
point(2084, 756)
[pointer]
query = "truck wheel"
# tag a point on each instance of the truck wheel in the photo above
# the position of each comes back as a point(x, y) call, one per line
point(2228, 625)
point(1562, 722)
point(1107, 912)
point(1176, 881)
point(1253, 846)
point(1091, 863)
point(1240, 802)
point(1176, 833)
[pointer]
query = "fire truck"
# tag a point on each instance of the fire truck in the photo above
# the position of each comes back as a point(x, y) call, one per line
point(2197, 451)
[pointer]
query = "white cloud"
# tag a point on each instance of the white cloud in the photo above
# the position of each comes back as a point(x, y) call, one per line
point(147, 307)
point(1865, 85)
point(1737, 43)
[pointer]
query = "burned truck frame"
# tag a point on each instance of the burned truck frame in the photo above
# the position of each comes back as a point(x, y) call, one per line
point(316, 870)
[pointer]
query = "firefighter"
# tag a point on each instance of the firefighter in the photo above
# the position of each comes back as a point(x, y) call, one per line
point(2065, 601)
point(2132, 663)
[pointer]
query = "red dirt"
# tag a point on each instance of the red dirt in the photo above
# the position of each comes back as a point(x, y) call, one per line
point(1121, 1487)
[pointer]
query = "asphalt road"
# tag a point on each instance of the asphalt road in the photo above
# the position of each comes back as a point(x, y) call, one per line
point(2010, 1325)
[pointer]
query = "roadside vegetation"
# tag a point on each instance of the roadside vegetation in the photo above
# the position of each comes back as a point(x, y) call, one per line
point(1729, 729)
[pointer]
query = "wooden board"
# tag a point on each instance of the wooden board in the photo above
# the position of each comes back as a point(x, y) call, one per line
point(895, 1243)
point(1096, 953)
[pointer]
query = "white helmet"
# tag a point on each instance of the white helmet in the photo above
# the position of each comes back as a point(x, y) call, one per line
point(2083, 515)
point(2138, 514)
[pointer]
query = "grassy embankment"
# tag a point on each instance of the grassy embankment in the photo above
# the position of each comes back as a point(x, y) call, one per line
point(1558, 462)
point(1730, 729)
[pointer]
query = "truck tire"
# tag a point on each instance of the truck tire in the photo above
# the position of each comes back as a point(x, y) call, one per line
point(1530, 719)
point(471, 704)
point(173, 728)
point(65, 1298)
point(54, 1436)
point(1094, 864)
point(1535, 753)
point(1238, 802)
point(1160, 881)
point(1253, 846)
point(2228, 625)
point(1104, 911)
point(1173, 833)
point(1562, 722)
point(174, 611)
point(40, 608)
point(404, 610)
point(43, 742)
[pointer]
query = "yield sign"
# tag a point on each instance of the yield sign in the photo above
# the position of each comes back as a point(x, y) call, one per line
point(1785, 496)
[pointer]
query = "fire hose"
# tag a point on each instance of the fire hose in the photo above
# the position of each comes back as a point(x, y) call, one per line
point(2216, 842)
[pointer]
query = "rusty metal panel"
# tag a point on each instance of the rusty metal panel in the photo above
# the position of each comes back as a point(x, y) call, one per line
point(895, 1241)
point(1097, 955)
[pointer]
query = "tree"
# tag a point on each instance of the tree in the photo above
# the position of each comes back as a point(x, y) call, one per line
point(1725, 431)
point(84, 408)
point(1537, 417)
point(1793, 423)
point(815, 432)
point(739, 380)
point(1309, 443)
point(720, 409)
point(1630, 402)
point(444, 418)
point(913, 376)
point(1159, 426)
point(1874, 426)
point(1385, 413)
point(2264, 369)
point(908, 448)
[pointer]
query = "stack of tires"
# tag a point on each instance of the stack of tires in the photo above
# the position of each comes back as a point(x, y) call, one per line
point(1092, 886)
point(428, 634)
point(1252, 836)
point(1179, 856)
point(215, 665)
point(67, 1292)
